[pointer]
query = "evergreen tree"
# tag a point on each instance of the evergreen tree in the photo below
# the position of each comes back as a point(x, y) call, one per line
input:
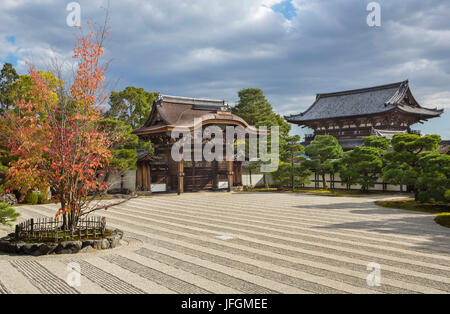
point(132, 106)
point(402, 165)
point(323, 151)
point(7, 214)
point(433, 181)
point(381, 143)
point(361, 165)
point(254, 108)
point(124, 151)
point(293, 153)
point(252, 168)
point(8, 76)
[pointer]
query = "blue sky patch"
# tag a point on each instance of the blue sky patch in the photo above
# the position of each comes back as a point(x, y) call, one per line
point(286, 8)
point(11, 58)
point(11, 39)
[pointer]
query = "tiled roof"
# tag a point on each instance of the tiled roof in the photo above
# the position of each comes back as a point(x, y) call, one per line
point(364, 101)
point(183, 112)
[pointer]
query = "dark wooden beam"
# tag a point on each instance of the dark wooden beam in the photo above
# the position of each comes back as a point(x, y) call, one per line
point(230, 174)
point(180, 177)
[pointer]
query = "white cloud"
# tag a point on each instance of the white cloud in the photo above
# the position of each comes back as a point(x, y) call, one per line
point(440, 100)
point(213, 48)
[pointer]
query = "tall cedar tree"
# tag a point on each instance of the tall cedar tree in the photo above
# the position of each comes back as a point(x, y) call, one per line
point(254, 108)
point(8, 77)
point(58, 141)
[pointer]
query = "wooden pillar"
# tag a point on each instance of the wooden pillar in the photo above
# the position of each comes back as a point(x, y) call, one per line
point(145, 176)
point(139, 177)
point(194, 189)
point(180, 177)
point(237, 177)
point(214, 174)
point(230, 174)
point(149, 176)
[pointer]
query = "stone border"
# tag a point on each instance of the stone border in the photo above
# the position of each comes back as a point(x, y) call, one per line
point(9, 245)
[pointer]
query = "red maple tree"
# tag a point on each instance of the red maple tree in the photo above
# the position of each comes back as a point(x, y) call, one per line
point(57, 136)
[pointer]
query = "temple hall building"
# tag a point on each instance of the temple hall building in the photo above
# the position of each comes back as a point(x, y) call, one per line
point(160, 172)
point(351, 115)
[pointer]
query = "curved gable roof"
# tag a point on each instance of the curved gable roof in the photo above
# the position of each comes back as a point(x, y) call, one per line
point(169, 112)
point(364, 101)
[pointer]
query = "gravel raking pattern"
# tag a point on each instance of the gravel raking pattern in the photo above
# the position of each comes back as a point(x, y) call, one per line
point(230, 281)
point(42, 278)
point(247, 243)
point(168, 281)
point(106, 280)
point(3, 289)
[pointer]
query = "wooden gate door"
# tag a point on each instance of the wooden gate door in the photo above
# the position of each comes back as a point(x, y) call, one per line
point(198, 176)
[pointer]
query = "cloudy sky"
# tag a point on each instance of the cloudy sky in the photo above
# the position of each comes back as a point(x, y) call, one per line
point(292, 49)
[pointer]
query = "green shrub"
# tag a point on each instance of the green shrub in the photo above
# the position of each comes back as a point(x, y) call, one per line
point(447, 195)
point(31, 198)
point(7, 214)
point(42, 198)
point(1, 190)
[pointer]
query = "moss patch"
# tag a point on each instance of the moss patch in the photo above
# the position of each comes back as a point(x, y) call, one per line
point(441, 210)
point(443, 219)
point(317, 192)
point(262, 190)
point(331, 192)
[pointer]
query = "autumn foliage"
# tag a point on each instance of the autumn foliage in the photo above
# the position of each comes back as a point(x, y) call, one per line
point(58, 140)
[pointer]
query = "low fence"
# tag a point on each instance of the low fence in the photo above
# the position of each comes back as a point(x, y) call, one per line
point(316, 182)
point(52, 230)
point(257, 180)
point(333, 181)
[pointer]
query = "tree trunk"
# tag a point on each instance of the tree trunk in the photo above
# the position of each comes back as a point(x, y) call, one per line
point(324, 182)
point(65, 221)
point(63, 207)
point(250, 172)
point(292, 173)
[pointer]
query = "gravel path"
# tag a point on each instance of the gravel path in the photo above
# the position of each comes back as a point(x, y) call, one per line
point(247, 243)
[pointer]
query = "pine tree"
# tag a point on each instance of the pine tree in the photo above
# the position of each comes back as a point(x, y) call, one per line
point(323, 151)
point(7, 214)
